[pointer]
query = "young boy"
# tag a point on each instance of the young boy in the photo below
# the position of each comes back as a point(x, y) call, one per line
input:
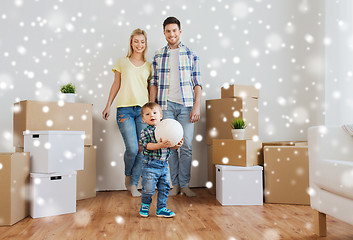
point(155, 163)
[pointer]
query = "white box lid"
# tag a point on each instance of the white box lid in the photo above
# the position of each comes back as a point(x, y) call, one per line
point(238, 168)
point(54, 132)
point(46, 175)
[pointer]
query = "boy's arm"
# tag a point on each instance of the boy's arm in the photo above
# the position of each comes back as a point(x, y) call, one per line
point(159, 145)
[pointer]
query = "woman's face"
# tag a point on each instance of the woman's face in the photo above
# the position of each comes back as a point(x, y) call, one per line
point(138, 43)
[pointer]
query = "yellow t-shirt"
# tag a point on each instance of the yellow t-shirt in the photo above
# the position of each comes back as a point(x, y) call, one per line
point(134, 82)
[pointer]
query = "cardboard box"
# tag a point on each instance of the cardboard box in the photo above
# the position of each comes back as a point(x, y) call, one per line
point(286, 170)
point(86, 179)
point(52, 194)
point(242, 91)
point(244, 153)
point(14, 180)
point(37, 116)
point(221, 112)
point(55, 151)
point(211, 170)
point(239, 185)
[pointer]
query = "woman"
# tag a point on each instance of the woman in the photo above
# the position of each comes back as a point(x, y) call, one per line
point(131, 82)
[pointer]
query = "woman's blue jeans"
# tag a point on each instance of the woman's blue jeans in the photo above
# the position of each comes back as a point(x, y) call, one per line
point(130, 125)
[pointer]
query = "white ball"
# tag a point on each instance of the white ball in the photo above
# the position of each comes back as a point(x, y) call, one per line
point(169, 129)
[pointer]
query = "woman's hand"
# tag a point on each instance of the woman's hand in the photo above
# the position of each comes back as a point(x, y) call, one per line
point(106, 113)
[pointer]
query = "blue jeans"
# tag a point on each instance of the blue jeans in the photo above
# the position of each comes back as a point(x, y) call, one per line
point(180, 167)
point(130, 125)
point(155, 173)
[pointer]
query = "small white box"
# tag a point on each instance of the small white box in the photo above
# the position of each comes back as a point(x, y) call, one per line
point(55, 151)
point(239, 185)
point(52, 194)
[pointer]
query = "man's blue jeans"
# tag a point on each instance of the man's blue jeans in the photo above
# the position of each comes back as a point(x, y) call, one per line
point(130, 125)
point(155, 173)
point(180, 167)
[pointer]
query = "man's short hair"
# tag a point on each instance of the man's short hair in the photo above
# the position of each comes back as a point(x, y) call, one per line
point(151, 105)
point(171, 20)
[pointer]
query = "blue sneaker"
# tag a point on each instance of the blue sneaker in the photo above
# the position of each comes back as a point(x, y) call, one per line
point(145, 208)
point(164, 212)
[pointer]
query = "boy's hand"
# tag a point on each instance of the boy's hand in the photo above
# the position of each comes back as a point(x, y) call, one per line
point(179, 144)
point(164, 144)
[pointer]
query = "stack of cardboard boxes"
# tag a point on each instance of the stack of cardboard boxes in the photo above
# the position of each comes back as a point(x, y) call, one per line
point(236, 101)
point(286, 164)
point(35, 116)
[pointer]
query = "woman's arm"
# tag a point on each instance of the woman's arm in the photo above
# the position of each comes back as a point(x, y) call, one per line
point(112, 94)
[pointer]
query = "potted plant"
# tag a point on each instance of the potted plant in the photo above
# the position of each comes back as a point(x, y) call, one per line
point(238, 129)
point(68, 92)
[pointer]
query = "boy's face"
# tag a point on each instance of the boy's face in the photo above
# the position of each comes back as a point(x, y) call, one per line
point(172, 33)
point(152, 116)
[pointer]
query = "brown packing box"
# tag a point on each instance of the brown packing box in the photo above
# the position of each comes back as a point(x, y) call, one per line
point(14, 180)
point(211, 170)
point(286, 170)
point(240, 91)
point(244, 153)
point(37, 115)
point(221, 112)
point(86, 179)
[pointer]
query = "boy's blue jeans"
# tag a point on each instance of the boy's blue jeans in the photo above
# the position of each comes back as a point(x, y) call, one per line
point(155, 173)
point(130, 125)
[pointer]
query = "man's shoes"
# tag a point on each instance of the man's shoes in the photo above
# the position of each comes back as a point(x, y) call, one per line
point(145, 208)
point(164, 212)
point(175, 191)
point(188, 192)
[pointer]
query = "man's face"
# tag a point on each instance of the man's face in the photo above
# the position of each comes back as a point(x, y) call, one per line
point(172, 34)
point(152, 116)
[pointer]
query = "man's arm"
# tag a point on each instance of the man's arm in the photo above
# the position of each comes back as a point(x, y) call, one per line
point(153, 89)
point(153, 93)
point(195, 112)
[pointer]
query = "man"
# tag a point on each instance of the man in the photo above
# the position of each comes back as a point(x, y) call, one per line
point(176, 81)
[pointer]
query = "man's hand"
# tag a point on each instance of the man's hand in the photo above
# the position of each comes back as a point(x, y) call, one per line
point(195, 114)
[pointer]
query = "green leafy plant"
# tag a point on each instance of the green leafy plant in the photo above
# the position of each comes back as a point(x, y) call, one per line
point(68, 88)
point(238, 123)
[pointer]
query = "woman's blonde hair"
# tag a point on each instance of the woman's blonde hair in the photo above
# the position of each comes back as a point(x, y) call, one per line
point(137, 31)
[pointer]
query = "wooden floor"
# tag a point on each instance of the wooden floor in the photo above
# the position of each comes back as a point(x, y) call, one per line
point(114, 215)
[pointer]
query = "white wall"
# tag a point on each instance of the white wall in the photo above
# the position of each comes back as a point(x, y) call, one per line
point(339, 62)
point(275, 44)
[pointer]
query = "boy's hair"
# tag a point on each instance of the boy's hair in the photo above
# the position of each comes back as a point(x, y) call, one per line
point(137, 31)
point(151, 105)
point(171, 20)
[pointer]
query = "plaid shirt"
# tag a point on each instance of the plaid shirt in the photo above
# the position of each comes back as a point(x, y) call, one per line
point(147, 136)
point(189, 74)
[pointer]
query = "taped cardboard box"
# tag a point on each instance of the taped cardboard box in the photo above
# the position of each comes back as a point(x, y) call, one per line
point(286, 170)
point(14, 180)
point(242, 91)
point(86, 179)
point(244, 153)
point(221, 112)
point(37, 116)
